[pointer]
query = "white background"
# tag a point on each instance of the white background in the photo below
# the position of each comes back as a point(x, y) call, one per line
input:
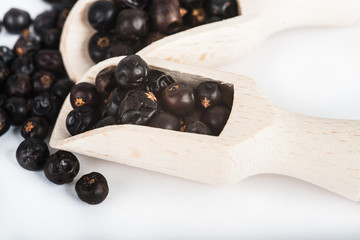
point(310, 71)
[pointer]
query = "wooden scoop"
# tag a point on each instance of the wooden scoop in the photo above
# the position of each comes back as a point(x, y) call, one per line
point(259, 137)
point(216, 43)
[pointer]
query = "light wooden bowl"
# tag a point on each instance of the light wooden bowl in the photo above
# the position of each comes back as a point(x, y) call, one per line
point(217, 43)
point(259, 137)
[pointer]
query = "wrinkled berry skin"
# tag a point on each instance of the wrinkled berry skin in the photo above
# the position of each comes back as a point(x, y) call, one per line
point(61, 167)
point(84, 94)
point(198, 127)
point(16, 20)
point(114, 101)
point(215, 118)
point(50, 60)
point(4, 122)
point(158, 81)
point(17, 109)
point(132, 24)
point(102, 15)
point(23, 64)
point(178, 98)
point(92, 188)
point(18, 85)
point(138, 107)
point(32, 154)
point(131, 72)
point(165, 120)
point(35, 127)
point(26, 44)
point(81, 119)
point(45, 105)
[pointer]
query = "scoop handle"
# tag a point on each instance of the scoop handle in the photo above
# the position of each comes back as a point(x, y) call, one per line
point(224, 41)
point(325, 152)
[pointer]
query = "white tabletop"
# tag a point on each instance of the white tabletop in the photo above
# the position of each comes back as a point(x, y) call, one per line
point(310, 71)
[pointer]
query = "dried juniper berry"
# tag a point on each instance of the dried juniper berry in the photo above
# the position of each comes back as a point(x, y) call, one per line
point(18, 85)
point(132, 24)
point(84, 94)
point(32, 154)
point(102, 15)
point(208, 94)
point(17, 109)
point(23, 64)
point(192, 116)
point(165, 120)
point(4, 122)
point(50, 60)
point(81, 119)
point(50, 38)
point(45, 105)
point(215, 118)
point(62, 18)
point(139, 4)
point(119, 48)
point(114, 101)
point(107, 121)
point(16, 20)
point(92, 188)
point(26, 44)
point(42, 81)
point(138, 107)
point(99, 44)
point(131, 72)
point(61, 167)
point(6, 54)
point(198, 127)
point(178, 98)
point(158, 81)
point(165, 16)
point(61, 88)
point(44, 21)
point(35, 127)
point(105, 81)
point(222, 8)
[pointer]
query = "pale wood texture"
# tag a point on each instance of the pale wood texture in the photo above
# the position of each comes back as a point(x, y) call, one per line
point(259, 137)
point(217, 43)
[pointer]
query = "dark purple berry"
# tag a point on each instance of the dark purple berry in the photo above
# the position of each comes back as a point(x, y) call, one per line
point(32, 154)
point(198, 127)
point(158, 81)
point(131, 72)
point(16, 20)
point(4, 73)
point(92, 188)
point(165, 16)
point(50, 38)
point(165, 120)
point(61, 88)
point(114, 101)
point(6, 54)
point(24, 65)
point(99, 45)
point(139, 4)
point(61, 167)
point(105, 81)
point(215, 118)
point(35, 127)
point(50, 60)
point(45, 21)
point(45, 105)
point(119, 48)
point(18, 85)
point(222, 8)
point(81, 119)
point(26, 44)
point(42, 81)
point(102, 15)
point(208, 94)
point(107, 121)
point(17, 109)
point(178, 98)
point(84, 94)
point(138, 107)
point(132, 24)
